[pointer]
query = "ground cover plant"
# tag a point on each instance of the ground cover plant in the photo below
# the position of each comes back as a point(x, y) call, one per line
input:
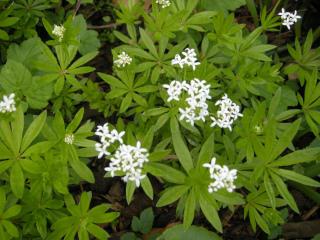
point(159, 119)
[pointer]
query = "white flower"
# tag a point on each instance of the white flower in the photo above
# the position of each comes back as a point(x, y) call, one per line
point(69, 138)
point(288, 18)
point(174, 89)
point(189, 59)
point(198, 94)
point(58, 31)
point(197, 91)
point(129, 160)
point(107, 138)
point(8, 103)
point(222, 176)
point(164, 3)
point(123, 60)
point(227, 113)
point(178, 61)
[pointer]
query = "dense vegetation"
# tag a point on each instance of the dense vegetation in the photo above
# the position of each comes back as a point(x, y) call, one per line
point(158, 119)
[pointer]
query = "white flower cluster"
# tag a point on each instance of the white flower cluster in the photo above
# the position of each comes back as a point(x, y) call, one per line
point(189, 59)
point(288, 18)
point(227, 114)
point(175, 89)
point(107, 138)
point(8, 104)
point(58, 31)
point(122, 60)
point(198, 92)
point(164, 3)
point(69, 138)
point(222, 176)
point(129, 159)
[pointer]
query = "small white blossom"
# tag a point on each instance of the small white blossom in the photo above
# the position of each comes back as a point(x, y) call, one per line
point(189, 59)
point(174, 90)
point(69, 138)
point(8, 103)
point(178, 61)
point(222, 176)
point(58, 31)
point(288, 18)
point(197, 92)
point(164, 3)
point(129, 160)
point(107, 138)
point(227, 114)
point(122, 60)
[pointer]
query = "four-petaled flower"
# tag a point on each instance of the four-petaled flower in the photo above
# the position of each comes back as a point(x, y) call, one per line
point(288, 18)
point(189, 59)
point(223, 177)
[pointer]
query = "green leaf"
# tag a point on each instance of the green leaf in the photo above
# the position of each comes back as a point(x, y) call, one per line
point(130, 187)
point(148, 42)
point(83, 60)
point(26, 53)
point(261, 222)
point(106, 217)
point(10, 228)
point(269, 190)
point(30, 166)
point(171, 195)
point(126, 102)
point(4, 35)
point(161, 121)
point(17, 180)
point(210, 212)
point(146, 220)
point(223, 6)
point(4, 151)
point(6, 136)
point(189, 209)
point(83, 234)
point(75, 122)
point(85, 202)
point(4, 165)
point(228, 198)
point(296, 177)
point(206, 151)
point(8, 21)
point(33, 130)
point(79, 167)
point(17, 127)
point(299, 156)
point(58, 86)
point(285, 139)
point(97, 231)
point(282, 188)
point(147, 187)
point(135, 224)
point(12, 212)
point(15, 77)
point(179, 146)
point(178, 232)
point(170, 174)
point(201, 17)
